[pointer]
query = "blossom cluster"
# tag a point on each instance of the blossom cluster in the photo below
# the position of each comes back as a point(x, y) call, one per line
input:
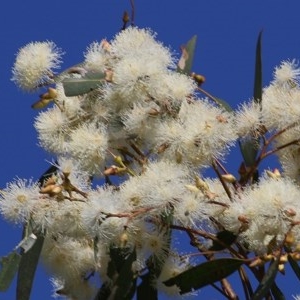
point(146, 123)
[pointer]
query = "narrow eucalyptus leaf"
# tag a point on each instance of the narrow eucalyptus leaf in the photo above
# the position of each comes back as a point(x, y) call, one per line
point(117, 263)
point(29, 260)
point(294, 266)
point(27, 268)
point(257, 92)
point(249, 149)
point(87, 83)
point(267, 281)
point(185, 62)
point(249, 146)
point(146, 289)
point(9, 267)
point(204, 274)
point(277, 293)
point(125, 285)
point(226, 238)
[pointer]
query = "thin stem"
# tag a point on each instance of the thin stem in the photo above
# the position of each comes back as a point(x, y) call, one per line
point(207, 94)
point(294, 142)
point(220, 290)
point(215, 167)
point(209, 236)
point(248, 291)
point(132, 12)
point(228, 289)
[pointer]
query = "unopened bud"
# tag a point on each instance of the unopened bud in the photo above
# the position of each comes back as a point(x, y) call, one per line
point(123, 239)
point(243, 219)
point(290, 212)
point(221, 119)
point(50, 181)
point(153, 112)
point(125, 18)
point(112, 170)
point(198, 78)
point(109, 75)
point(295, 255)
point(47, 189)
point(52, 93)
point(256, 263)
point(297, 248)
point(52, 190)
point(281, 268)
point(105, 45)
point(229, 178)
point(201, 184)
point(41, 103)
point(268, 257)
point(162, 148)
point(273, 174)
point(178, 156)
point(283, 258)
point(192, 188)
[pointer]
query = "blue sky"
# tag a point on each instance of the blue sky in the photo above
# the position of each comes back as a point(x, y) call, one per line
point(227, 33)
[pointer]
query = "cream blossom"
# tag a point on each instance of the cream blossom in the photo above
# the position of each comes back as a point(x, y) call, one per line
point(35, 63)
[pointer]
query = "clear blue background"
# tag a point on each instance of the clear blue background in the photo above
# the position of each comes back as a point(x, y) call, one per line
point(227, 33)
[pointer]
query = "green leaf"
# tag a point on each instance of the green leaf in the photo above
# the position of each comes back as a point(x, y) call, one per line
point(226, 237)
point(119, 266)
point(277, 293)
point(257, 92)
point(29, 260)
point(27, 268)
point(294, 266)
point(267, 281)
point(9, 266)
point(79, 86)
point(250, 145)
point(204, 274)
point(249, 148)
point(146, 290)
point(125, 285)
point(185, 62)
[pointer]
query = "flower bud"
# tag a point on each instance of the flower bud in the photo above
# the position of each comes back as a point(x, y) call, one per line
point(201, 184)
point(229, 178)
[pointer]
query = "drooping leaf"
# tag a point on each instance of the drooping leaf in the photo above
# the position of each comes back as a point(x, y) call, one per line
point(29, 259)
point(267, 281)
point(9, 267)
point(204, 274)
point(125, 285)
point(146, 290)
point(120, 263)
point(257, 91)
point(79, 86)
point(294, 266)
point(249, 145)
point(27, 268)
point(187, 55)
point(277, 293)
point(226, 237)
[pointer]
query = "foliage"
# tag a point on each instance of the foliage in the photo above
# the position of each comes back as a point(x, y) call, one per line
point(139, 120)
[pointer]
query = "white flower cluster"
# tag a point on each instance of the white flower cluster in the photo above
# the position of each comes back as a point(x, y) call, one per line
point(145, 124)
point(279, 114)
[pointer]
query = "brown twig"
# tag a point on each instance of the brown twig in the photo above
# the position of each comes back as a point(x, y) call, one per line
point(215, 167)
